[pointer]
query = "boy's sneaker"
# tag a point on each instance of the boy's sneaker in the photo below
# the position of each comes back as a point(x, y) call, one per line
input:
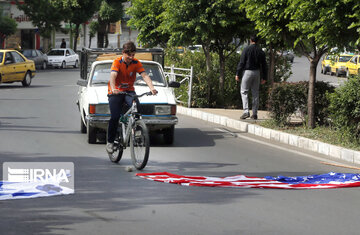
point(245, 115)
point(110, 147)
point(254, 117)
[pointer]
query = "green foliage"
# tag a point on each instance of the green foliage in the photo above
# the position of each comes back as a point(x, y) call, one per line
point(7, 26)
point(111, 11)
point(322, 101)
point(345, 109)
point(146, 19)
point(44, 14)
point(288, 98)
point(285, 99)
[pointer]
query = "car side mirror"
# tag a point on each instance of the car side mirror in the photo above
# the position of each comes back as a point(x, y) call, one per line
point(174, 84)
point(81, 82)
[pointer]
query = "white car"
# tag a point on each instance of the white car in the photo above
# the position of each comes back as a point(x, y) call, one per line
point(158, 112)
point(63, 57)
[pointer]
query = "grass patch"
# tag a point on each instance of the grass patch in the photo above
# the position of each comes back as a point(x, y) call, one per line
point(321, 133)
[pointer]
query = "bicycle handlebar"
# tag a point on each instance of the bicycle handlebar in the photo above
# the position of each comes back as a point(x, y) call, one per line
point(132, 95)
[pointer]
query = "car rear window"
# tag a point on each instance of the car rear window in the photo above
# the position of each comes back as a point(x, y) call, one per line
point(56, 52)
point(1, 56)
point(344, 58)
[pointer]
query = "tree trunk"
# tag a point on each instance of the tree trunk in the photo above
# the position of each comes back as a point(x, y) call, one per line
point(206, 49)
point(311, 94)
point(76, 36)
point(271, 71)
point(222, 76)
point(46, 44)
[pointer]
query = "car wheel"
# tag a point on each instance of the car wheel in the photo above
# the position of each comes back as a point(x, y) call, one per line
point(76, 64)
point(82, 126)
point(27, 80)
point(44, 65)
point(63, 65)
point(169, 135)
point(91, 134)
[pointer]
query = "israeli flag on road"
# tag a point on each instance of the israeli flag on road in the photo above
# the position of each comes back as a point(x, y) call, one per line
point(20, 190)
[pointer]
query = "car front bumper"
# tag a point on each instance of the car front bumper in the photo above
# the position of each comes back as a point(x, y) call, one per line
point(152, 122)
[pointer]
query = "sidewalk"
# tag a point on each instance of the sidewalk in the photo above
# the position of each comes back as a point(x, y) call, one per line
point(231, 118)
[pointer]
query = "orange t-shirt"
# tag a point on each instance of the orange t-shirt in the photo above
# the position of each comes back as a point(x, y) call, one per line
point(126, 74)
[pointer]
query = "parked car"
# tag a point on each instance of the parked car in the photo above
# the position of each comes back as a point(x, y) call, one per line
point(63, 57)
point(15, 67)
point(338, 66)
point(353, 66)
point(159, 112)
point(326, 63)
point(40, 59)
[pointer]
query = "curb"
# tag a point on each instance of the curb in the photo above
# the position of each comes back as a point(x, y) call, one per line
point(330, 150)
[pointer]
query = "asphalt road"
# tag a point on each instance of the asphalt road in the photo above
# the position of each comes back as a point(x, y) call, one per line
point(301, 72)
point(41, 123)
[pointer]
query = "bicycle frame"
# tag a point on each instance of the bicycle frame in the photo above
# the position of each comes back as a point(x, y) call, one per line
point(126, 127)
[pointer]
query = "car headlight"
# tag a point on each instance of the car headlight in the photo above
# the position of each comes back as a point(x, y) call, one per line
point(99, 109)
point(162, 109)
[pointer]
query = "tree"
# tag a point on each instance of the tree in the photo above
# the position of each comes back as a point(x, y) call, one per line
point(110, 11)
point(319, 26)
point(44, 15)
point(94, 27)
point(7, 27)
point(214, 24)
point(146, 18)
point(79, 12)
point(271, 22)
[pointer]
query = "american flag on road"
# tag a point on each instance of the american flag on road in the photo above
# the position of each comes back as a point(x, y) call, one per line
point(323, 181)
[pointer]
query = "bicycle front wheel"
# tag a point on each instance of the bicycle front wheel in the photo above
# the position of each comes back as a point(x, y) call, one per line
point(139, 144)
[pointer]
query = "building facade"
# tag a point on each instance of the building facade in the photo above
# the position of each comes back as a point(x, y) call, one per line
point(27, 35)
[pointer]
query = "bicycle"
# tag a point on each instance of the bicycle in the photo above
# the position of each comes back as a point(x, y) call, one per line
point(132, 131)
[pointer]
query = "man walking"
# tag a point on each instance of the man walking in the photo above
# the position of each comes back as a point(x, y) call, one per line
point(252, 67)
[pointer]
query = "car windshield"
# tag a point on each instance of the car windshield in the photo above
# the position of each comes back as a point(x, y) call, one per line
point(1, 56)
point(27, 53)
point(102, 75)
point(56, 52)
point(344, 58)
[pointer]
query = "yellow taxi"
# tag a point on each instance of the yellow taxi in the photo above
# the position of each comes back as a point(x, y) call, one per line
point(338, 66)
point(326, 63)
point(14, 67)
point(353, 66)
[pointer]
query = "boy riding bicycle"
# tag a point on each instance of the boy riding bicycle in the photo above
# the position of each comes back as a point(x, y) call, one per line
point(122, 78)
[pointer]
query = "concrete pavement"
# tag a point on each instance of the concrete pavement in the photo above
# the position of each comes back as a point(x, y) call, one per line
point(231, 118)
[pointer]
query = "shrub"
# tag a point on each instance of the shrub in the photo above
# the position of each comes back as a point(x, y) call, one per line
point(344, 109)
point(287, 98)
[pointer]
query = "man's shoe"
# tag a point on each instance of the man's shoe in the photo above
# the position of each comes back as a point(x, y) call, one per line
point(254, 117)
point(110, 147)
point(245, 115)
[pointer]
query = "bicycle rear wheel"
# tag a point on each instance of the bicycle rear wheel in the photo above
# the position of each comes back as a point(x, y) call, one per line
point(139, 144)
point(118, 151)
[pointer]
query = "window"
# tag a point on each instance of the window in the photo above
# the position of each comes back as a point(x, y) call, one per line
point(1, 56)
point(57, 52)
point(17, 57)
point(8, 58)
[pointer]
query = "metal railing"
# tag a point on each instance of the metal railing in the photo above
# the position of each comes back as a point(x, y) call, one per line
point(186, 75)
